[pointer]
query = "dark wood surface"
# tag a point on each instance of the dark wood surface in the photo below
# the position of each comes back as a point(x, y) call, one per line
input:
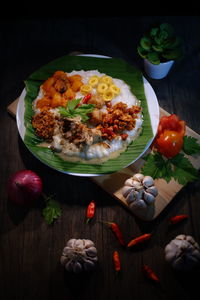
point(30, 249)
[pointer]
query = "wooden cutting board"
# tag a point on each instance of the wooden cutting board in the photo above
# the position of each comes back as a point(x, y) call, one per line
point(113, 183)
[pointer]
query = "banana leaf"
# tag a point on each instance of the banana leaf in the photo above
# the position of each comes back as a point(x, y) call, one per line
point(114, 67)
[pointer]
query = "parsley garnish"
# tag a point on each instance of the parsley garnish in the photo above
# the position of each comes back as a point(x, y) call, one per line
point(178, 167)
point(72, 109)
point(52, 210)
point(190, 145)
point(157, 166)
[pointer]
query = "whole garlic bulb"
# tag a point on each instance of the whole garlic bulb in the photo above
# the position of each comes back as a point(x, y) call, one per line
point(79, 255)
point(183, 252)
point(139, 191)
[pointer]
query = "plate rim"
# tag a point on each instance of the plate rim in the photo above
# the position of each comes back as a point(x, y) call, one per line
point(153, 111)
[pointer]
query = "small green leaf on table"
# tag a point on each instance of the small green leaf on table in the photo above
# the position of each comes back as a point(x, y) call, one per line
point(52, 210)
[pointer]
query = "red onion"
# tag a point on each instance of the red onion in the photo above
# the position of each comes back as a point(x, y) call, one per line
point(23, 187)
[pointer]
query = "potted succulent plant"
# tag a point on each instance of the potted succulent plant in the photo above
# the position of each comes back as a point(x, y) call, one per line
point(159, 47)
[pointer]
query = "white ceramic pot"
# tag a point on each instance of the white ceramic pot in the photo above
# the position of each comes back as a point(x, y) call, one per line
point(157, 71)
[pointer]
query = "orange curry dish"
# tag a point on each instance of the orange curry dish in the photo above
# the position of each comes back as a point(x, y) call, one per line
point(58, 89)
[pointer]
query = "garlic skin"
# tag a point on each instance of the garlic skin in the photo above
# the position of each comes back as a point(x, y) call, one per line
point(79, 255)
point(139, 192)
point(183, 253)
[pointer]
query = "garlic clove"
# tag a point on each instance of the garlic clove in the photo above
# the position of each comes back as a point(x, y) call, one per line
point(94, 259)
point(149, 198)
point(152, 190)
point(67, 250)
point(138, 195)
point(129, 182)
point(69, 266)
point(71, 242)
point(137, 185)
point(92, 251)
point(190, 239)
point(148, 181)
point(63, 260)
point(138, 176)
point(77, 267)
point(177, 263)
point(79, 244)
point(181, 237)
point(138, 205)
point(170, 252)
point(131, 196)
point(88, 265)
point(126, 190)
point(88, 243)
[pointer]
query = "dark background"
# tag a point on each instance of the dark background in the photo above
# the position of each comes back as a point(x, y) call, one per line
point(29, 249)
point(28, 43)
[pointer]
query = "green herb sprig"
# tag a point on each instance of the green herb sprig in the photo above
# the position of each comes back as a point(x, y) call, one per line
point(178, 167)
point(52, 210)
point(73, 109)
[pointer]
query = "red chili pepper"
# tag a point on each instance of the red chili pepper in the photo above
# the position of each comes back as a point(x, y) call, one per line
point(149, 273)
point(90, 211)
point(116, 260)
point(86, 98)
point(139, 240)
point(116, 230)
point(177, 219)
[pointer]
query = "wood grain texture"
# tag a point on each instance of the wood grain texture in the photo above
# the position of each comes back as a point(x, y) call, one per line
point(30, 249)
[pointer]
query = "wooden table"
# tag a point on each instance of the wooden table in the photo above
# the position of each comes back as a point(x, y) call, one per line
point(30, 249)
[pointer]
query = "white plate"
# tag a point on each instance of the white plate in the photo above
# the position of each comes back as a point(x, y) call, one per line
point(153, 107)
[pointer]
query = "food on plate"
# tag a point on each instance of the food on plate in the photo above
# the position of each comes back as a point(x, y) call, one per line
point(79, 255)
point(86, 116)
point(183, 253)
point(140, 192)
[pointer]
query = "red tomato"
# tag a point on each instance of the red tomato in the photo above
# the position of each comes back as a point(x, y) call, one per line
point(172, 123)
point(169, 143)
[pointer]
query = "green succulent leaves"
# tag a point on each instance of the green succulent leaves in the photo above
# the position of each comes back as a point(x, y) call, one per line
point(160, 44)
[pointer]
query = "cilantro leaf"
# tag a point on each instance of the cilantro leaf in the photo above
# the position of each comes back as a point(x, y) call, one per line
point(83, 110)
point(72, 110)
point(157, 166)
point(64, 112)
point(190, 145)
point(52, 211)
point(71, 104)
point(183, 170)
